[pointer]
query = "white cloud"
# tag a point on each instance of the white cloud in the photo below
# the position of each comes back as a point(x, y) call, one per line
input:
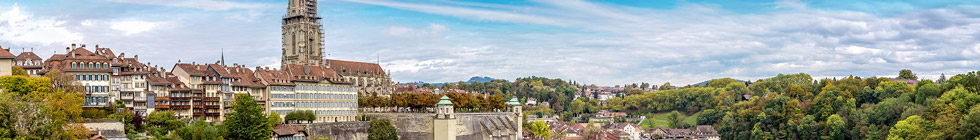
point(794, 4)
point(18, 26)
point(133, 27)
point(614, 44)
point(407, 32)
point(215, 5)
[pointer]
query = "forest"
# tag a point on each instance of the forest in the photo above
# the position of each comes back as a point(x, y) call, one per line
point(793, 106)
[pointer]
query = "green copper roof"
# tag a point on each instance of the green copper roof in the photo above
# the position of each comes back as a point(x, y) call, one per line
point(444, 101)
point(513, 102)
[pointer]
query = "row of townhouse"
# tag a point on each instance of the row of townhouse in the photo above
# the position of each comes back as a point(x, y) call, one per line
point(200, 91)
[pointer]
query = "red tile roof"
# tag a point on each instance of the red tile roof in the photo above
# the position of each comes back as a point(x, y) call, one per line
point(81, 55)
point(354, 68)
point(27, 55)
point(273, 76)
point(240, 75)
point(287, 130)
point(5, 53)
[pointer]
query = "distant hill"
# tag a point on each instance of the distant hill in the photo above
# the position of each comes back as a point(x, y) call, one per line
point(480, 79)
point(706, 82)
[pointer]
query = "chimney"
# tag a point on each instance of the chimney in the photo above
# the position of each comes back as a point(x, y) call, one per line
point(32, 49)
point(122, 55)
point(83, 45)
point(136, 57)
point(178, 61)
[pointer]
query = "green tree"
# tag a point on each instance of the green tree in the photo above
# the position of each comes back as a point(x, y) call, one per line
point(962, 98)
point(274, 119)
point(926, 91)
point(164, 121)
point(381, 129)
point(759, 134)
point(709, 117)
point(970, 126)
point(720, 83)
point(836, 127)
point(942, 79)
point(911, 128)
point(19, 71)
point(247, 122)
point(201, 130)
point(539, 129)
point(674, 118)
point(906, 74)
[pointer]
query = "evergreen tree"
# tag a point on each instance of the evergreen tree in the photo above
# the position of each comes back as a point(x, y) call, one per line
point(247, 122)
point(381, 129)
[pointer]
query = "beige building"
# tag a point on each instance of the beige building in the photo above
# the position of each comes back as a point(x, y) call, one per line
point(90, 69)
point(310, 88)
point(30, 62)
point(130, 84)
point(369, 78)
point(6, 61)
point(208, 105)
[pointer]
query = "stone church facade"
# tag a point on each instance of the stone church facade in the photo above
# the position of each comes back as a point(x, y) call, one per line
point(302, 44)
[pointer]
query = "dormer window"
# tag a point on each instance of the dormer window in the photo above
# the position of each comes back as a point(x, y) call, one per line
point(73, 65)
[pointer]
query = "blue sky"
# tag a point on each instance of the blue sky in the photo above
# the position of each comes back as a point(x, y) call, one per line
point(601, 42)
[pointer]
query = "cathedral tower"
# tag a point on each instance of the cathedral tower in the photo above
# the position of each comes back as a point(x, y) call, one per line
point(301, 34)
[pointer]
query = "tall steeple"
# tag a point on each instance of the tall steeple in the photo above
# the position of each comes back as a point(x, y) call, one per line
point(223, 57)
point(302, 34)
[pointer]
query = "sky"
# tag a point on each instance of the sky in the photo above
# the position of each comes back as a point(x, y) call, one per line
point(603, 42)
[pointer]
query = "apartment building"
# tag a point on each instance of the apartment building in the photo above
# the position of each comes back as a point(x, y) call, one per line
point(90, 69)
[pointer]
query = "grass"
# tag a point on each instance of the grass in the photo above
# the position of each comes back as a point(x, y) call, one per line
point(659, 119)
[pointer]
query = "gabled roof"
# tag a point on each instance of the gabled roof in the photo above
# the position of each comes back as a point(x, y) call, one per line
point(287, 130)
point(194, 69)
point(5, 54)
point(27, 55)
point(239, 75)
point(705, 130)
point(354, 68)
point(273, 76)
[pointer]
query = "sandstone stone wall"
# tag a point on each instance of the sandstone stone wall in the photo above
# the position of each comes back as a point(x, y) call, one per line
point(419, 126)
point(410, 126)
point(339, 130)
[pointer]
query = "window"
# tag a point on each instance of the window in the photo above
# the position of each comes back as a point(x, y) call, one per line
point(91, 65)
point(73, 65)
point(105, 65)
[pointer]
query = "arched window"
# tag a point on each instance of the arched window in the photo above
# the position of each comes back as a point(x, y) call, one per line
point(91, 65)
point(73, 65)
point(105, 65)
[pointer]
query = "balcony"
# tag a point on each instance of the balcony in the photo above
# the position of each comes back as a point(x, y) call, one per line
point(95, 104)
point(161, 106)
point(198, 106)
point(161, 98)
point(180, 106)
point(212, 99)
point(198, 113)
point(180, 98)
point(213, 114)
point(126, 97)
point(212, 106)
